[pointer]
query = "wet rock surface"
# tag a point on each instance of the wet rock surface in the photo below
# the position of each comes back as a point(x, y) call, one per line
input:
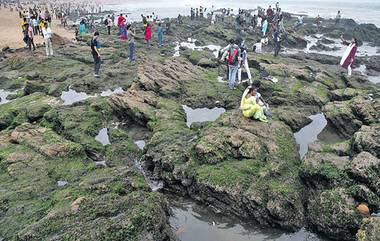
point(59, 182)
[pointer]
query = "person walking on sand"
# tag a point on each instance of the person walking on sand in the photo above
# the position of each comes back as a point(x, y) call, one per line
point(148, 34)
point(349, 55)
point(131, 43)
point(47, 33)
point(30, 34)
point(95, 50)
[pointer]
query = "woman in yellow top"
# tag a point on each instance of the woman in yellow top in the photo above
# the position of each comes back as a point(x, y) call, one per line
point(250, 107)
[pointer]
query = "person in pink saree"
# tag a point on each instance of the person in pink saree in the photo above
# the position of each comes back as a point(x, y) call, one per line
point(349, 55)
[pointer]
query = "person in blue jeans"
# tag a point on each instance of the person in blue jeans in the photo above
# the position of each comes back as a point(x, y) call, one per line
point(233, 53)
point(131, 42)
point(160, 34)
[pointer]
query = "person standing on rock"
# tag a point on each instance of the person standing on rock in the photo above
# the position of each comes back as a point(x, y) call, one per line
point(148, 34)
point(120, 22)
point(233, 60)
point(349, 55)
point(160, 35)
point(338, 17)
point(109, 24)
point(277, 42)
point(30, 34)
point(95, 50)
point(47, 33)
point(244, 64)
point(131, 43)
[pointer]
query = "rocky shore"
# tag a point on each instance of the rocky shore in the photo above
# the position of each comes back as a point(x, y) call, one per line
point(58, 182)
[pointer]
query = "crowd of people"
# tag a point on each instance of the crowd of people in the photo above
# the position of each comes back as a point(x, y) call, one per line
point(267, 24)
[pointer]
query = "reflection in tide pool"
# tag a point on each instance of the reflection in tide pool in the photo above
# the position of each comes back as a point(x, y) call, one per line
point(191, 222)
point(71, 96)
point(309, 133)
point(103, 137)
point(202, 114)
point(140, 144)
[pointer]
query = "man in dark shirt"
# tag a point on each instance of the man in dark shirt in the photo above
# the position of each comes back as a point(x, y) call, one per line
point(95, 50)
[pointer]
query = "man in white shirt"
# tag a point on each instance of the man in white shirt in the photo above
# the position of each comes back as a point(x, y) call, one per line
point(47, 33)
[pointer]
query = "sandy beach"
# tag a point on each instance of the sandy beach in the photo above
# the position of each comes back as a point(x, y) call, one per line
point(10, 30)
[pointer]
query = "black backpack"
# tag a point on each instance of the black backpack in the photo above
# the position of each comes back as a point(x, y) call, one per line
point(106, 22)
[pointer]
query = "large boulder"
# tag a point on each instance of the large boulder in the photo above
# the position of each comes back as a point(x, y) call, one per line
point(367, 139)
point(332, 212)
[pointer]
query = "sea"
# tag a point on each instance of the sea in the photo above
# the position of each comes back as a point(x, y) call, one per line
point(362, 11)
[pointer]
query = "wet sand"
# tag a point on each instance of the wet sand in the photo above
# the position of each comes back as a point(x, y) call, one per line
point(11, 35)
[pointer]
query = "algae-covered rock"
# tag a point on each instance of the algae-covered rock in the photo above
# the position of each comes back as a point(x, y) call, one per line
point(365, 168)
point(28, 108)
point(349, 116)
point(333, 212)
point(369, 230)
point(96, 204)
point(367, 139)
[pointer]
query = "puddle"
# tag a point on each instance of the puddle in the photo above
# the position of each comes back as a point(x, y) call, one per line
point(3, 96)
point(110, 92)
point(154, 185)
point(191, 221)
point(71, 96)
point(190, 44)
point(362, 69)
point(103, 137)
point(309, 133)
point(140, 144)
point(364, 50)
point(202, 114)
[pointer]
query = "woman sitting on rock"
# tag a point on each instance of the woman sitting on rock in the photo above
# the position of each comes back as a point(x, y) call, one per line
point(250, 106)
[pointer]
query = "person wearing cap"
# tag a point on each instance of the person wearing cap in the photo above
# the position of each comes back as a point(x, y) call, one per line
point(250, 106)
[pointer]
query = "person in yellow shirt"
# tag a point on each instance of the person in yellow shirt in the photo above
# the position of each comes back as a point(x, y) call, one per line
point(250, 106)
point(23, 24)
point(41, 24)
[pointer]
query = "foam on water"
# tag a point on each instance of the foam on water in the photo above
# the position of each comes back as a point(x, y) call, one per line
point(3, 96)
point(109, 92)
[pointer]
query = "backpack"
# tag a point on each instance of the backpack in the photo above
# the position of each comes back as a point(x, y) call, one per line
point(233, 56)
point(106, 22)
